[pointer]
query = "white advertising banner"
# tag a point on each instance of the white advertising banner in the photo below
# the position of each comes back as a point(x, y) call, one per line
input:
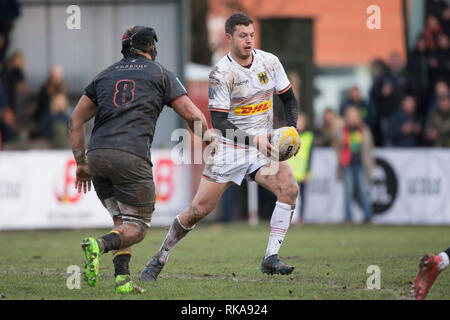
point(37, 191)
point(410, 186)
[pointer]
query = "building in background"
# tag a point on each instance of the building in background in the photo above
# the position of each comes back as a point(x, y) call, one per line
point(332, 36)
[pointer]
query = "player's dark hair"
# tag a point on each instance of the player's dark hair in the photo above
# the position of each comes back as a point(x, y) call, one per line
point(235, 20)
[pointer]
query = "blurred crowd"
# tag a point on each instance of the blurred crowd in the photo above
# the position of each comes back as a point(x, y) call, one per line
point(32, 120)
point(29, 120)
point(409, 103)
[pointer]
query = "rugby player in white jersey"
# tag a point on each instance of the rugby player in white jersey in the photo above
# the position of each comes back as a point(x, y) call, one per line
point(241, 88)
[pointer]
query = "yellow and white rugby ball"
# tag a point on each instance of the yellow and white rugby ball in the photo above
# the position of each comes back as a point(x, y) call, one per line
point(287, 141)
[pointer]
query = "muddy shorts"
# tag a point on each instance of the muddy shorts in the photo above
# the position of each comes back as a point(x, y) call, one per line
point(126, 178)
point(233, 164)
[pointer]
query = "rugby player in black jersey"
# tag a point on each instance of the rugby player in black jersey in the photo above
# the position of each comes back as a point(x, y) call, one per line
point(126, 100)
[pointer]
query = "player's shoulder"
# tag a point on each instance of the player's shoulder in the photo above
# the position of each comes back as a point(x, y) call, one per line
point(155, 66)
point(222, 69)
point(225, 63)
point(102, 73)
point(109, 70)
point(266, 56)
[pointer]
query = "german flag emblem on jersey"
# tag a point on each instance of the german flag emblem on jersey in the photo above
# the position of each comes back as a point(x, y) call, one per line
point(263, 78)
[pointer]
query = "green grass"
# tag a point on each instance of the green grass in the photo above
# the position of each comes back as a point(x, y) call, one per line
point(222, 262)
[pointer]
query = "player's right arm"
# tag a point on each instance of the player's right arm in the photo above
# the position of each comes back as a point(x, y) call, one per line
point(82, 113)
point(175, 96)
point(186, 109)
point(222, 124)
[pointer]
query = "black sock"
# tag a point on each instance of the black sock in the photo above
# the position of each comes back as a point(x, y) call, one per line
point(121, 263)
point(448, 251)
point(111, 241)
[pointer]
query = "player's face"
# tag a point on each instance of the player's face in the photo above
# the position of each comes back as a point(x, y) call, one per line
point(242, 40)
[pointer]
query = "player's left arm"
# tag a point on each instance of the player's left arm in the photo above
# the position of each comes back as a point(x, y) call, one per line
point(286, 93)
point(82, 113)
point(290, 107)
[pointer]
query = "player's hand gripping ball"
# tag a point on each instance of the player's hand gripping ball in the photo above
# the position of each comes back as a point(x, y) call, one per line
point(287, 141)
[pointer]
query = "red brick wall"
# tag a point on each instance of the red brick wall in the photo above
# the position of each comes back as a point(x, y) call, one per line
point(341, 35)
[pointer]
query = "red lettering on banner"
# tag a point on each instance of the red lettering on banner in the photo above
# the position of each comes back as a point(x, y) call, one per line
point(69, 181)
point(164, 179)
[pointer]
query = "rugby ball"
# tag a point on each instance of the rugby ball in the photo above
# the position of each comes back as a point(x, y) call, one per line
point(287, 141)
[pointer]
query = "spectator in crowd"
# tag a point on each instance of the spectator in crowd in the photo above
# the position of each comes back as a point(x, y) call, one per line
point(417, 69)
point(5, 128)
point(436, 8)
point(355, 99)
point(397, 75)
point(432, 29)
point(53, 86)
point(9, 11)
point(437, 129)
point(8, 123)
point(404, 127)
point(354, 146)
point(55, 123)
point(446, 21)
point(2, 47)
point(331, 125)
point(378, 69)
point(388, 91)
point(439, 63)
point(440, 89)
point(301, 163)
point(18, 92)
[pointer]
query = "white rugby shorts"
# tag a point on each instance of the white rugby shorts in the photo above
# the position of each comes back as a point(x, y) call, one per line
point(233, 163)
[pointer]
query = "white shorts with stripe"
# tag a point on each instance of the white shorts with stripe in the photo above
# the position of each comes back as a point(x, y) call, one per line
point(233, 163)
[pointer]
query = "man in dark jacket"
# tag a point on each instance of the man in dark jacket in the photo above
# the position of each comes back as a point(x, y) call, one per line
point(437, 129)
point(403, 128)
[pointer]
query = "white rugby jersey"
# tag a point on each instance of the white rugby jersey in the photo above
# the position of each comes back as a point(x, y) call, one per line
point(246, 94)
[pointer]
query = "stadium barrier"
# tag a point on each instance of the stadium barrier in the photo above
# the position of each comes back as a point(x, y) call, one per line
point(37, 192)
point(410, 186)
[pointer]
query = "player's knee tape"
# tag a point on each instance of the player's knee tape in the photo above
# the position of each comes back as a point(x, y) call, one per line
point(112, 206)
point(139, 215)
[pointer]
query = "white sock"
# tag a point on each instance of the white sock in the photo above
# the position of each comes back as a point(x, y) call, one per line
point(176, 232)
point(279, 225)
point(444, 261)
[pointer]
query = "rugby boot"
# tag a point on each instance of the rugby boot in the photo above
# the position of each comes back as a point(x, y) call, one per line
point(273, 264)
point(124, 285)
point(92, 254)
point(151, 270)
point(428, 272)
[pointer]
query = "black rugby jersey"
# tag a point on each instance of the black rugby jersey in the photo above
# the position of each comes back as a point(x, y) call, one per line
point(130, 95)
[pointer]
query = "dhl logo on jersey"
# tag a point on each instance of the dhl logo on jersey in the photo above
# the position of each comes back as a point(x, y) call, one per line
point(253, 109)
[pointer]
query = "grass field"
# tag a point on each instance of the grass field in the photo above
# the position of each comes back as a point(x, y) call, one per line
point(222, 262)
